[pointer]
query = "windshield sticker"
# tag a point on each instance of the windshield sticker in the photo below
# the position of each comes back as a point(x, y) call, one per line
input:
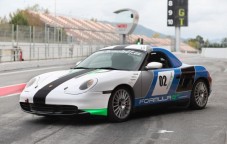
point(129, 52)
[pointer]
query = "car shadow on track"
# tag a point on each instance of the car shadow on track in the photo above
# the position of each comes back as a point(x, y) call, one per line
point(159, 112)
point(76, 120)
point(99, 120)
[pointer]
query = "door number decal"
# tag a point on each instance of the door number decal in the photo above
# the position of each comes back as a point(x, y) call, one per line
point(163, 83)
point(162, 80)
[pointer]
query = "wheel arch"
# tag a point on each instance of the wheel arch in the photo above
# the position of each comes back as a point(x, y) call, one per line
point(129, 88)
point(112, 117)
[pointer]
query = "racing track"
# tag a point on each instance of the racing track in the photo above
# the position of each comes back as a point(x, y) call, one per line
point(163, 126)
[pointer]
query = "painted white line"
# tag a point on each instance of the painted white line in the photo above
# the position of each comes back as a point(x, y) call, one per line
point(16, 94)
point(164, 131)
point(12, 85)
point(23, 71)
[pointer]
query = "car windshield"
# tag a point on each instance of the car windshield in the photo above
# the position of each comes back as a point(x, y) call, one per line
point(113, 59)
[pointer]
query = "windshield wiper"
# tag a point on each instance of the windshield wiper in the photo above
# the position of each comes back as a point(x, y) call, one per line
point(109, 68)
point(80, 68)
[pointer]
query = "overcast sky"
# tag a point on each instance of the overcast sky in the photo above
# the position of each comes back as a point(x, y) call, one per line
point(207, 18)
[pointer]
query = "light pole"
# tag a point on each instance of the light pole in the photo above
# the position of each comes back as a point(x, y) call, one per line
point(55, 8)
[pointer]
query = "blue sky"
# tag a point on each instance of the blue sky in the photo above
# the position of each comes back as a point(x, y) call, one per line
point(206, 17)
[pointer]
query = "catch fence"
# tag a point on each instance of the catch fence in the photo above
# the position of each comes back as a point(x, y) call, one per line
point(37, 43)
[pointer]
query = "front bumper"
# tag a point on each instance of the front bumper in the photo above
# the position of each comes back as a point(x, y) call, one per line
point(59, 103)
point(88, 100)
point(54, 110)
point(59, 110)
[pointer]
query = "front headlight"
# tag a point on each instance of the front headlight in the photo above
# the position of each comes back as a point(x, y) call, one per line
point(87, 84)
point(75, 89)
point(31, 82)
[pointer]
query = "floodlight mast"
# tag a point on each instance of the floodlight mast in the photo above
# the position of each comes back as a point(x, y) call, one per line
point(177, 39)
point(125, 29)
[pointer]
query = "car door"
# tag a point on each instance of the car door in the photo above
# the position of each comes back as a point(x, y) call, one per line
point(165, 82)
point(159, 85)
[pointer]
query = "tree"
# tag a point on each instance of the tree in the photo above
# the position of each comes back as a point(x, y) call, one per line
point(224, 42)
point(156, 35)
point(18, 18)
point(206, 43)
point(33, 19)
point(3, 20)
point(197, 43)
point(35, 8)
point(193, 43)
point(46, 11)
point(94, 19)
point(200, 40)
point(24, 17)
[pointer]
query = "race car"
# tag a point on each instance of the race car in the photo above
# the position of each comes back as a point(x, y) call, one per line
point(115, 81)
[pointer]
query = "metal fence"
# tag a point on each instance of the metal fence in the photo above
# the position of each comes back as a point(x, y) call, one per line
point(38, 43)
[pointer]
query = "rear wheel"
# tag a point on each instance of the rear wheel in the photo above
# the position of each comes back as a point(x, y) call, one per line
point(199, 96)
point(120, 105)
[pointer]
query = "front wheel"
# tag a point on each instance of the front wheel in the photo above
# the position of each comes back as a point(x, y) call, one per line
point(199, 96)
point(120, 105)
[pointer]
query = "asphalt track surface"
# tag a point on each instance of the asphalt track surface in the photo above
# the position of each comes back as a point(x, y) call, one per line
point(161, 126)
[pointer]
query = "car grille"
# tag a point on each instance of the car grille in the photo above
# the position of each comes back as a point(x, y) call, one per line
point(49, 109)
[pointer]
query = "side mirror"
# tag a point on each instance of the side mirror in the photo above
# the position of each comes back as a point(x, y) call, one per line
point(154, 65)
point(78, 63)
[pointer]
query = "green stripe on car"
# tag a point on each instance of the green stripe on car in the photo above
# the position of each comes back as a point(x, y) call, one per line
point(102, 112)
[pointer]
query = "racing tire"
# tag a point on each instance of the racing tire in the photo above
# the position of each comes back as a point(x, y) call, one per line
point(120, 105)
point(199, 95)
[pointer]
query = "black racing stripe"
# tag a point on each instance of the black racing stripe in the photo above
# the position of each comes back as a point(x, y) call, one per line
point(186, 79)
point(40, 96)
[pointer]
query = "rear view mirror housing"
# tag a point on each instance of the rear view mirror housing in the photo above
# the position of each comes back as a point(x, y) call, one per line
point(153, 65)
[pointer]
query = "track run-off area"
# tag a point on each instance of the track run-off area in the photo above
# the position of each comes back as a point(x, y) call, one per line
point(159, 126)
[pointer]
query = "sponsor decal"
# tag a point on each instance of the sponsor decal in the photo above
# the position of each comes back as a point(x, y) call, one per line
point(174, 97)
point(129, 52)
point(122, 26)
point(178, 96)
point(156, 99)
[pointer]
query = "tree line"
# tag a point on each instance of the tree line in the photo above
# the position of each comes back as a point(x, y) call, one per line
point(24, 17)
point(198, 42)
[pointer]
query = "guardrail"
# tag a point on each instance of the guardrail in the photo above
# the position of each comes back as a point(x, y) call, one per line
point(10, 54)
point(43, 51)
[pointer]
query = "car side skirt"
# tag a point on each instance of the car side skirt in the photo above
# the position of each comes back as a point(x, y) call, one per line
point(178, 103)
